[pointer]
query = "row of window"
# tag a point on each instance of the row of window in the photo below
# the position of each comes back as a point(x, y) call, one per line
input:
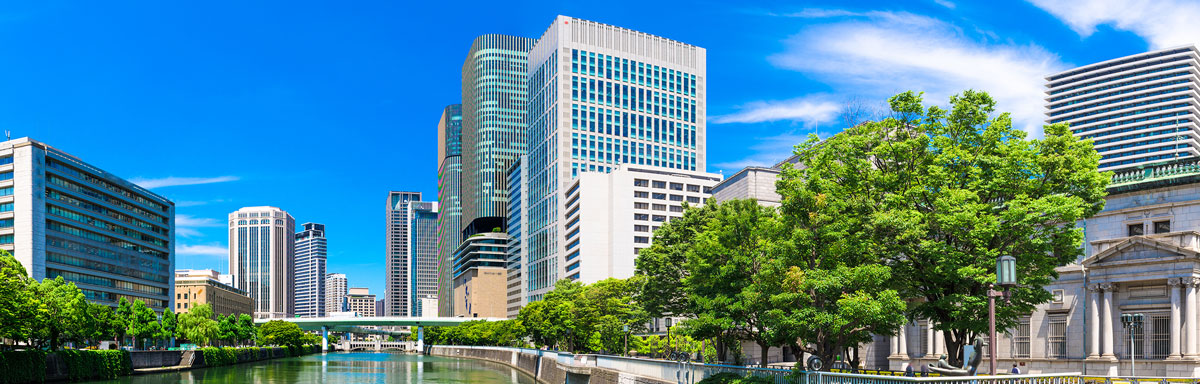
point(631, 125)
point(673, 186)
point(1114, 64)
point(1131, 113)
point(632, 98)
point(1144, 151)
point(1138, 135)
point(1133, 121)
point(632, 71)
point(1125, 76)
point(1119, 85)
point(106, 185)
point(92, 193)
point(1144, 97)
point(1139, 160)
point(105, 282)
point(1121, 92)
point(144, 274)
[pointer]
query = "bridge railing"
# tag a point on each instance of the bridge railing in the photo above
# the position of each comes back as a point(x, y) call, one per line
point(852, 378)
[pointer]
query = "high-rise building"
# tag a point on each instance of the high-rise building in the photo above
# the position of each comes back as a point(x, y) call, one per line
point(204, 286)
point(449, 232)
point(60, 216)
point(1137, 109)
point(422, 253)
point(360, 301)
point(494, 101)
point(311, 254)
point(518, 183)
point(335, 292)
point(480, 272)
point(262, 259)
point(411, 251)
point(601, 96)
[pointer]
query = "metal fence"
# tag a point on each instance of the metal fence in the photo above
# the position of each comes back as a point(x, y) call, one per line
point(1139, 380)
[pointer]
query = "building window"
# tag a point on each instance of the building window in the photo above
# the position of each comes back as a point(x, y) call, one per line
point(641, 216)
point(641, 183)
point(693, 199)
point(1139, 342)
point(677, 186)
point(1162, 226)
point(641, 228)
point(693, 188)
point(660, 196)
point(641, 194)
point(1057, 342)
point(660, 207)
point(660, 218)
point(641, 239)
point(660, 184)
point(1136, 229)
point(1161, 339)
point(641, 205)
point(1021, 339)
point(677, 208)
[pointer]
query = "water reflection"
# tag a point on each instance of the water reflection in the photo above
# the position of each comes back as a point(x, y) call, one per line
point(358, 367)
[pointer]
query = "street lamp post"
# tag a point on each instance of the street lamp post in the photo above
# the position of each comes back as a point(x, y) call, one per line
point(1006, 277)
point(625, 351)
point(1132, 323)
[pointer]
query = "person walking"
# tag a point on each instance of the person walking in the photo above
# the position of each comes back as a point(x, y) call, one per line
point(1015, 370)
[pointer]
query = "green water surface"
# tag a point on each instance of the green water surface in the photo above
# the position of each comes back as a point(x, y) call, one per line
point(353, 367)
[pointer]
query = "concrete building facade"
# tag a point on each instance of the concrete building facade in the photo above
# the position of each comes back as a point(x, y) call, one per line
point(422, 254)
point(601, 96)
point(204, 286)
point(1137, 109)
point(335, 292)
point(262, 259)
point(360, 301)
point(518, 184)
point(480, 274)
point(398, 271)
point(311, 254)
point(60, 216)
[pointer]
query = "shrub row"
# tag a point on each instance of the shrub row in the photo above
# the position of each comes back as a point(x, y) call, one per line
point(734, 378)
point(22, 366)
point(214, 356)
point(228, 355)
point(83, 365)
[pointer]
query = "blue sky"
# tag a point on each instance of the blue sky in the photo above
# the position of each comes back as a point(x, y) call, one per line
point(321, 108)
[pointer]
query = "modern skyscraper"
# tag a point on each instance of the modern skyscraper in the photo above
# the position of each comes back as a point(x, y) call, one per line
point(1137, 109)
point(262, 259)
point(335, 292)
point(449, 233)
point(311, 254)
point(411, 251)
point(625, 97)
point(60, 216)
point(422, 254)
point(518, 183)
point(494, 100)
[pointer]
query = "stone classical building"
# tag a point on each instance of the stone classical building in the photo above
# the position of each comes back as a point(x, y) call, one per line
point(1141, 256)
point(204, 286)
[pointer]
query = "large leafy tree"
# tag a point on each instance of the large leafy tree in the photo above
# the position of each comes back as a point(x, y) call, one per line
point(16, 301)
point(97, 324)
point(664, 263)
point(947, 192)
point(198, 326)
point(122, 316)
point(734, 270)
point(143, 323)
point(279, 332)
point(58, 310)
point(245, 329)
point(169, 327)
point(228, 329)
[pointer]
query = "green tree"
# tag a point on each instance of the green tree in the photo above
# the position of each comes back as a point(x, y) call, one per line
point(98, 323)
point(58, 310)
point(198, 326)
point(16, 301)
point(228, 329)
point(279, 332)
point(949, 191)
point(122, 316)
point(733, 275)
point(664, 263)
point(245, 329)
point(143, 324)
point(169, 327)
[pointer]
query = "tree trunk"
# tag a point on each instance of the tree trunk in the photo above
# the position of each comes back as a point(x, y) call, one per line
point(765, 350)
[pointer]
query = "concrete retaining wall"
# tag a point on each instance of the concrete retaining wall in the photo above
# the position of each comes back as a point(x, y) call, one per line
point(153, 359)
point(556, 367)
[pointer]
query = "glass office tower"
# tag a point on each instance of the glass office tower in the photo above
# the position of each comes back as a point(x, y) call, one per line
point(449, 232)
point(422, 254)
point(311, 255)
point(262, 259)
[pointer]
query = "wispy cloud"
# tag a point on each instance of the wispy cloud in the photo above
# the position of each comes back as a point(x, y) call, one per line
point(882, 53)
point(1161, 23)
point(801, 110)
point(201, 250)
point(177, 181)
point(769, 151)
point(188, 226)
point(945, 3)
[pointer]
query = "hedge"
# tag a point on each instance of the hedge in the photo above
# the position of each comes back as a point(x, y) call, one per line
point(734, 378)
point(22, 366)
point(219, 356)
point(83, 365)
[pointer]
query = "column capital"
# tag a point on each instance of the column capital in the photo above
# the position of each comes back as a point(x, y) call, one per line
point(1189, 281)
point(1175, 281)
point(1108, 287)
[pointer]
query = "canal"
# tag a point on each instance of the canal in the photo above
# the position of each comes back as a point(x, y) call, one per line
point(353, 367)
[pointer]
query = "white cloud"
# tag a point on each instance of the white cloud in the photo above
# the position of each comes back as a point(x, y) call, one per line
point(768, 152)
point(802, 110)
point(201, 250)
point(1163, 23)
point(177, 181)
point(187, 225)
point(878, 54)
point(945, 3)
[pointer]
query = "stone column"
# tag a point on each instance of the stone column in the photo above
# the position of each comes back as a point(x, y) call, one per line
point(939, 343)
point(1189, 317)
point(1093, 324)
point(1173, 285)
point(930, 336)
point(903, 341)
point(896, 344)
point(1106, 330)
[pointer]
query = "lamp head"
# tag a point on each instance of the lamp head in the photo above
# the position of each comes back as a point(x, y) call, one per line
point(1006, 271)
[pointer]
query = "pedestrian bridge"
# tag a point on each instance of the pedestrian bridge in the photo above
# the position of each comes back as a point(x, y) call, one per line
point(356, 324)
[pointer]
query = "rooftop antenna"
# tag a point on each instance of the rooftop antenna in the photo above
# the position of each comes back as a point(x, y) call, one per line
point(7, 135)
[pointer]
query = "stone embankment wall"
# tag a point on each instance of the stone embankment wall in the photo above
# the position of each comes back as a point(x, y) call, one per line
point(547, 367)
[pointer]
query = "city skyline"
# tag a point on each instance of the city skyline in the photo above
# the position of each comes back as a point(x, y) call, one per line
point(752, 64)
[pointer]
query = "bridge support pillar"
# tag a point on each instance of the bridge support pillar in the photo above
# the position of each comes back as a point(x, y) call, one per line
point(324, 338)
point(420, 339)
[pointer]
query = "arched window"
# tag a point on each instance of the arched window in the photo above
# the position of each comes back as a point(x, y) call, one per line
point(253, 221)
point(241, 222)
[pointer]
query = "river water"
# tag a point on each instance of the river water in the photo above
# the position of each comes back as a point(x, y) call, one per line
point(353, 367)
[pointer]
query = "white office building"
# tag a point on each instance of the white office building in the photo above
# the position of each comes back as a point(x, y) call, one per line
point(60, 216)
point(311, 255)
point(335, 292)
point(600, 97)
point(262, 259)
point(1137, 109)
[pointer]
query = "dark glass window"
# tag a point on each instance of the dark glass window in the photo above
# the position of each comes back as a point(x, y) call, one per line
point(1162, 226)
point(1136, 229)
